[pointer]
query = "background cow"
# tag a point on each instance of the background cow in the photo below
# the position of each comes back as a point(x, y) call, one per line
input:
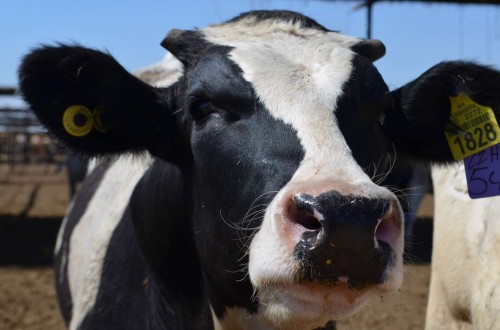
point(257, 209)
point(465, 277)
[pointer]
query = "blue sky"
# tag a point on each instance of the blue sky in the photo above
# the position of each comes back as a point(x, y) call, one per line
point(416, 35)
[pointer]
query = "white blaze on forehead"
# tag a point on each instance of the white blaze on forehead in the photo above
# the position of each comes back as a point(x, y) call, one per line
point(298, 74)
point(249, 30)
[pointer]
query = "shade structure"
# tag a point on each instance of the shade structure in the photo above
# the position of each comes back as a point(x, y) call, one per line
point(369, 4)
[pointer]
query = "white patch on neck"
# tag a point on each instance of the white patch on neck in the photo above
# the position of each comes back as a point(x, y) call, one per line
point(91, 236)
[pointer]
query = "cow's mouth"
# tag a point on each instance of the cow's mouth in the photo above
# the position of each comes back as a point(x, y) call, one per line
point(332, 297)
point(315, 301)
point(341, 281)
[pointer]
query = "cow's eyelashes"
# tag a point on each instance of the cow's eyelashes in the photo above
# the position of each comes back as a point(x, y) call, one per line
point(202, 109)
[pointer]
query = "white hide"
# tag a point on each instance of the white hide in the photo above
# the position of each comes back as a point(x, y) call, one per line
point(90, 238)
point(298, 74)
point(465, 278)
point(162, 74)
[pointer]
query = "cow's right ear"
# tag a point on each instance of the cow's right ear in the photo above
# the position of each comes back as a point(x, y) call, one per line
point(420, 112)
point(91, 103)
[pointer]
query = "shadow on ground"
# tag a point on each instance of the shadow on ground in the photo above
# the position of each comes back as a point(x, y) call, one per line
point(27, 241)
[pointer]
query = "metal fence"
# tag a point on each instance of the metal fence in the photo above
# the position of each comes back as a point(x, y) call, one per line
point(22, 138)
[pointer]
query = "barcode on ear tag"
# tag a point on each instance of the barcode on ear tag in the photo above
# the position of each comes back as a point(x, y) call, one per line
point(483, 173)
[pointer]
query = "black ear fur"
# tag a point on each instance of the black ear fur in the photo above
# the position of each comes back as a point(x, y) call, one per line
point(138, 116)
point(422, 107)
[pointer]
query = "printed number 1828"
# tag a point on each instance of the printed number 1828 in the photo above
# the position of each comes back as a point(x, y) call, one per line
point(482, 135)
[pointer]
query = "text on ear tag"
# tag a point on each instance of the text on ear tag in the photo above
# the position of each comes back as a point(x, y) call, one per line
point(472, 127)
point(483, 173)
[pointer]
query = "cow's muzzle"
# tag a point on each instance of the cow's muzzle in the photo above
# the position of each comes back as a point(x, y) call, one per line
point(347, 239)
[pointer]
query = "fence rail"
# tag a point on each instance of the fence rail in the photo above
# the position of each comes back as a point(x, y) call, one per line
point(7, 90)
point(22, 138)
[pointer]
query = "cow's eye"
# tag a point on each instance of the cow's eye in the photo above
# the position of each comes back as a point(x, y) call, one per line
point(201, 110)
point(204, 111)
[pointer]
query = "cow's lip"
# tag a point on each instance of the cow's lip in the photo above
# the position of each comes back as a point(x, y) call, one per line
point(316, 301)
point(340, 281)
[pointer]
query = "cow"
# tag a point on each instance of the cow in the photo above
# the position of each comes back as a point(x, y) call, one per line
point(465, 276)
point(251, 185)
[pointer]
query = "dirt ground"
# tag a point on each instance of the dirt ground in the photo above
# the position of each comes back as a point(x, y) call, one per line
point(32, 202)
point(27, 299)
point(27, 302)
point(33, 191)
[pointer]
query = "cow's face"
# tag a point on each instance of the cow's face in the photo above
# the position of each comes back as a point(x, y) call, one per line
point(283, 123)
point(274, 124)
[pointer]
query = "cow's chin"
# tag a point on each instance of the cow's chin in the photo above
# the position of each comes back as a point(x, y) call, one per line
point(310, 305)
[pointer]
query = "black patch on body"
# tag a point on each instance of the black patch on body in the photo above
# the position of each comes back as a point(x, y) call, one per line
point(151, 275)
point(121, 300)
point(81, 201)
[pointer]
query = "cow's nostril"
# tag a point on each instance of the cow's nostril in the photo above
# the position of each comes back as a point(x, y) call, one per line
point(387, 230)
point(308, 222)
point(302, 212)
point(355, 241)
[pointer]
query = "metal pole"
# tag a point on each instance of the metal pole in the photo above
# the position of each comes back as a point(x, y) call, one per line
point(369, 19)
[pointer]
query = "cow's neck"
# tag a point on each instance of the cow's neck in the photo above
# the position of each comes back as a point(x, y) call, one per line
point(174, 273)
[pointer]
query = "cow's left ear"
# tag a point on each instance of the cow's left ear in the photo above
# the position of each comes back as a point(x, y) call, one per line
point(416, 121)
point(91, 103)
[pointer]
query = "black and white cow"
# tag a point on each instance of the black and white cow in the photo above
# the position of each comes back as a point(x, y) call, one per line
point(257, 209)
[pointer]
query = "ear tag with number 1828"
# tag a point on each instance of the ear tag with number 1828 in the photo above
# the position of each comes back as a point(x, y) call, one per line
point(473, 135)
point(472, 127)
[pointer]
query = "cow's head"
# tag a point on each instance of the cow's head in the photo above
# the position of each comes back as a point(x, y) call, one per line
point(274, 124)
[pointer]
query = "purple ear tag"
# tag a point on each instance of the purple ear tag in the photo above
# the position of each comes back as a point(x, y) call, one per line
point(473, 135)
point(483, 172)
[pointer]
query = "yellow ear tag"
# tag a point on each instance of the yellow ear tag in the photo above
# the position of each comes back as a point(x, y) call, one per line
point(472, 127)
point(98, 123)
point(78, 120)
